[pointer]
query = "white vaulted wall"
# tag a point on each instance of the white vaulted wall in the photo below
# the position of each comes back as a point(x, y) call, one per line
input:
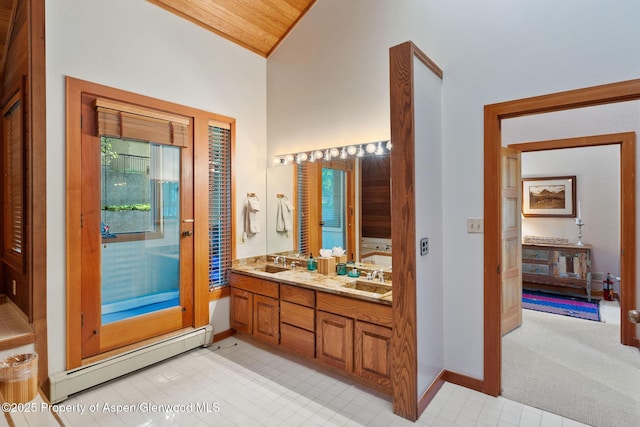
point(328, 84)
point(139, 47)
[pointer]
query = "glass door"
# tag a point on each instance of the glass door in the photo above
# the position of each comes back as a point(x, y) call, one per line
point(139, 227)
point(141, 277)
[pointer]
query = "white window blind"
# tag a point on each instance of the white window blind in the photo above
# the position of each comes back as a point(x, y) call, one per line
point(219, 203)
point(302, 207)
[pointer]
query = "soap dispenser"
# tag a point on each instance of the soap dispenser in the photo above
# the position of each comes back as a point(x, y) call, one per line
point(311, 263)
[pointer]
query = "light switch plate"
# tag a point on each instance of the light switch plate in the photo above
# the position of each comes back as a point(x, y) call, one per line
point(475, 225)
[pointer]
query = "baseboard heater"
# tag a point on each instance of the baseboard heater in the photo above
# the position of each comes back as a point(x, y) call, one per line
point(66, 383)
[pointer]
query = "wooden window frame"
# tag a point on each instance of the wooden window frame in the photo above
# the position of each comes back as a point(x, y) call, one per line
point(74, 90)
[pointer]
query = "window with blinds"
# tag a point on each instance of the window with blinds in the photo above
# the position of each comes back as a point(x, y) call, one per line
point(219, 203)
point(302, 205)
point(13, 184)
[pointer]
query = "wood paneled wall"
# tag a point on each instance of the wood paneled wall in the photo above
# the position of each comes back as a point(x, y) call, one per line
point(23, 69)
point(14, 77)
point(375, 184)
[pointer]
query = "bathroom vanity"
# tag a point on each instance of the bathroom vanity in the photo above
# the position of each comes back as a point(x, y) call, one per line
point(339, 322)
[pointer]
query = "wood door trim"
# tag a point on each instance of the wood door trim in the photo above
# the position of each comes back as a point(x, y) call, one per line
point(74, 90)
point(493, 115)
point(404, 373)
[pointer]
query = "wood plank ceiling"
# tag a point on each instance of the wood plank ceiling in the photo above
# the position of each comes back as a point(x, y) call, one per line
point(258, 25)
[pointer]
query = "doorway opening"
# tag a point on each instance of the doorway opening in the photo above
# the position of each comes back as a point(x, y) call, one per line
point(545, 345)
point(494, 114)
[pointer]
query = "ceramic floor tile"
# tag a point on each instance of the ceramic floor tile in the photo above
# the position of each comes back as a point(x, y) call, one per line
point(252, 387)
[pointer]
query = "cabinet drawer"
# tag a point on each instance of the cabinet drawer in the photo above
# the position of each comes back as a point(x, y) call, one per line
point(372, 312)
point(533, 253)
point(298, 295)
point(255, 285)
point(298, 340)
point(297, 315)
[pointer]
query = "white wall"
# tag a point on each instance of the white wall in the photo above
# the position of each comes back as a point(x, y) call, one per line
point(428, 193)
point(328, 84)
point(139, 47)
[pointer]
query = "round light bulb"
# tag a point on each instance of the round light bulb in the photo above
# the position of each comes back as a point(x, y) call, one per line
point(317, 154)
point(351, 150)
point(289, 158)
point(334, 152)
point(371, 147)
point(303, 157)
point(389, 145)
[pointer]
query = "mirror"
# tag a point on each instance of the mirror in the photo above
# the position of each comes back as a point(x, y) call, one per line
point(354, 198)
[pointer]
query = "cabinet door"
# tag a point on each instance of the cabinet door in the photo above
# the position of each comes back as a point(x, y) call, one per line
point(372, 353)
point(334, 340)
point(242, 310)
point(266, 319)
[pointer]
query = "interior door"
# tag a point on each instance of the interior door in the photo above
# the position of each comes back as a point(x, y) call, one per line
point(137, 227)
point(511, 262)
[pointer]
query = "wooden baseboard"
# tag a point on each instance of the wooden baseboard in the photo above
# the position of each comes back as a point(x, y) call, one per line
point(224, 334)
point(431, 392)
point(464, 381)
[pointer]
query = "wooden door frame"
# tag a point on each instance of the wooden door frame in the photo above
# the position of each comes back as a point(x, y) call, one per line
point(626, 141)
point(200, 119)
point(493, 115)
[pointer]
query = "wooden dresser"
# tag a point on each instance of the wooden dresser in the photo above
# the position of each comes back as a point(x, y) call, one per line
point(557, 268)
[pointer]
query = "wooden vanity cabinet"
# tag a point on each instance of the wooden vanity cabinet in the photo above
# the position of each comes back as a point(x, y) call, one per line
point(346, 334)
point(335, 341)
point(297, 320)
point(372, 353)
point(255, 307)
point(355, 336)
point(242, 310)
point(265, 319)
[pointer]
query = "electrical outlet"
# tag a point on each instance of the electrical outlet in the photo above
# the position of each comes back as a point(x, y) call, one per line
point(424, 246)
point(475, 225)
point(13, 283)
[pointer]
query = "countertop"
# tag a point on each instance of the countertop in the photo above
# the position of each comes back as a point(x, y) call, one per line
point(331, 283)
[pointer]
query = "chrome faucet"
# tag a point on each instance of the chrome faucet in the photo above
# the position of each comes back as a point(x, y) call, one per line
point(379, 274)
point(293, 265)
point(284, 262)
point(276, 259)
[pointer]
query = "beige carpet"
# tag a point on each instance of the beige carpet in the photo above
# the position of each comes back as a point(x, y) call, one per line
point(574, 368)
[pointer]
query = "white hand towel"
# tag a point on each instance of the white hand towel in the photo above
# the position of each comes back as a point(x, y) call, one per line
point(254, 204)
point(284, 220)
point(251, 218)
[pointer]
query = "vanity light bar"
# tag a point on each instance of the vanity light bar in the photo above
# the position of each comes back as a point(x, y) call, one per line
point(343, 152)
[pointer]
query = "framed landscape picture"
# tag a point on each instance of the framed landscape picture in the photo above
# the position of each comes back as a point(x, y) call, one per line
point(549, 197)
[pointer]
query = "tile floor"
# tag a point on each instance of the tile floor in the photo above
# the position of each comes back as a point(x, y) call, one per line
point(234, 383)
